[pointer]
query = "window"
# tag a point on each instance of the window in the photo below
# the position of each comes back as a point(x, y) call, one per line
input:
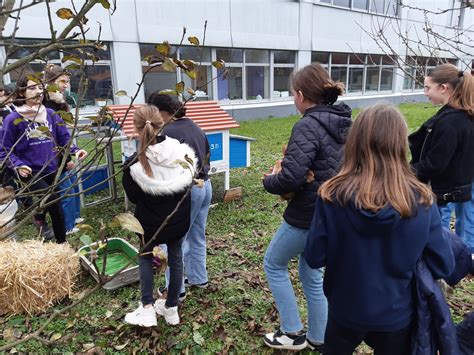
point(343, 3)
point(230, 55)
point(356, 76)
point(284, 57)
point(202, 84)
point(229, 83)
point(372, 79)
point(99, 88)
point(320, 57)
point(418, 67)
point(283, 66)
point(158, 79)
point(383, 7)
point(360, 4)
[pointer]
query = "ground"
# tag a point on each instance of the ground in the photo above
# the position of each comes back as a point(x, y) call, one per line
point(233, 313)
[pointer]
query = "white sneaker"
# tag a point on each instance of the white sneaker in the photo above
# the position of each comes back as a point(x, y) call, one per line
point(144, 317)
point(79, 220)
point(171, 314)
point(72, 231)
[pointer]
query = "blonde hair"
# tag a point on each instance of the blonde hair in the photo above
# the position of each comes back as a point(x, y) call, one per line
point(147, 121)
point(375, 171)
point(462, 82)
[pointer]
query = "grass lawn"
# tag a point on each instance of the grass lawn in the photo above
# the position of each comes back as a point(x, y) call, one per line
point(237, 309)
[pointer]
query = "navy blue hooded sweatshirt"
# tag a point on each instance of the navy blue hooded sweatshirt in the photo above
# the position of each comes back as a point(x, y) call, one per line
point(370, 260)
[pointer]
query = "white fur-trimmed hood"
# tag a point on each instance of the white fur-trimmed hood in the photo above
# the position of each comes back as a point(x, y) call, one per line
point(167, 160)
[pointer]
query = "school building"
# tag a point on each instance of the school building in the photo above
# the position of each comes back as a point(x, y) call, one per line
point(261, 42)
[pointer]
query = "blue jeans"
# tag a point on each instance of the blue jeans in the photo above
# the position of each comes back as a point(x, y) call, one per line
point(287, 243)
point(464, 226)
point(194, 244)
point(71, 204)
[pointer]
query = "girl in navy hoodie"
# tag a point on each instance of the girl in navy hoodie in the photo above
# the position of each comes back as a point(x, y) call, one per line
point(371, 224)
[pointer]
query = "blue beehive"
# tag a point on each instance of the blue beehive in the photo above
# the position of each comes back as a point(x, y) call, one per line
point(239, 152)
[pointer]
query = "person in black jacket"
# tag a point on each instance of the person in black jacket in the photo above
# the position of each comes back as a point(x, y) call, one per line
point(158, 183)
point(186, 131)
point(443, 148)
point(313, 155)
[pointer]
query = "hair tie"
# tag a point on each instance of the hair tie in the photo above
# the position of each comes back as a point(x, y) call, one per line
point(147, 122)
point(460, 74)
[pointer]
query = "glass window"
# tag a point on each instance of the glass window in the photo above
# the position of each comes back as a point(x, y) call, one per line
point(355, 79)
point(386, 79)
point(158, 79)
point(357, 59)
point(373, 59)
point(229, 83)
point(339, 58)
point(230, 55)
point(256, 56)
point(408, 80)
point(372, 79)
point(87, 53)
point(391, 7)
point(339, 74)
point(35, 68)
point(281, 77)
point(387, 60)
point(325, 1)
point(198, 54)
point(344, 3)
point(419, 78)
point(360, 4)
point(202, 84)
point(257, 83)
point(320, 57)
point(377, 6)
point(283, 57)
point(23, 52)
point(100, 84)
point(149, 49)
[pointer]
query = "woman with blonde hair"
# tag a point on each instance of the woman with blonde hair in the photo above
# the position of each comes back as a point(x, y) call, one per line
point(157, 180)
point(443, 147)
point(373, 221)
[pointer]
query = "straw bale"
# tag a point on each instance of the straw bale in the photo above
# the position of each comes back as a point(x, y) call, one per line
point(34, 275)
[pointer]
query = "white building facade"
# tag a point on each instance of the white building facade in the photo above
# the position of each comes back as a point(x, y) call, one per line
point(261, 42)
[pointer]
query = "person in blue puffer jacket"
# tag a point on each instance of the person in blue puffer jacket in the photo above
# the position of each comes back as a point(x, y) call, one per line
point(373, 221)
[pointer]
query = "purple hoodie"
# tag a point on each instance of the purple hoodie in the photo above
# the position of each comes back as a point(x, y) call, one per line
point(39, 153)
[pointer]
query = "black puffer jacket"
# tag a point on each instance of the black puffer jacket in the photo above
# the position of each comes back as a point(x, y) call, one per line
point(443, 150)
point(316, 144)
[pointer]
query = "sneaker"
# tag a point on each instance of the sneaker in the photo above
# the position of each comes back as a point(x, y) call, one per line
point(315, 346)
point(144, 317)
point(162, 290)
point(171, 314)
point(187, 284)
point(72, 231)
point(286, 341)
point(79, 220)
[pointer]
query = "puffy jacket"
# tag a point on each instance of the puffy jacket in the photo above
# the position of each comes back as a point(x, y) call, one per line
point(434, 329)
point(316, 143)
point(156, 197)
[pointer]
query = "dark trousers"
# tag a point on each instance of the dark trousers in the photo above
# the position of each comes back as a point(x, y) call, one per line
point(465, 331)
point(40, 187)
point(340, 340)
point(175, 263)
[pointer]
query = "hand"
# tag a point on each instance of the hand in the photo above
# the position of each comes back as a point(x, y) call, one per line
point(70, 165)
point(24, 171)
point(310, 176)
point(81, 154)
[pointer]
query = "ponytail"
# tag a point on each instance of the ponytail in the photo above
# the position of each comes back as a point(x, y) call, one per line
point(148, 122)
point(462, 83)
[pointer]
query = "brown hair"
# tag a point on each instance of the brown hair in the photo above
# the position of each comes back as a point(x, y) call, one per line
point(52, 72)
point(375, 171)
point(147, 121)
point(21, 86)
point(316, 85)
point(462, 83)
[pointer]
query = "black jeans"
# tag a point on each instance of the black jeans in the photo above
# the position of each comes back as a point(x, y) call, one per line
point(340, 340)
point(175, 263)
point(55, 210)
point(465, 331)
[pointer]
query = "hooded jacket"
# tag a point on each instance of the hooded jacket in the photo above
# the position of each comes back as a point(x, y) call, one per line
point(370, 261)
point(173, 165)
point(316, 143)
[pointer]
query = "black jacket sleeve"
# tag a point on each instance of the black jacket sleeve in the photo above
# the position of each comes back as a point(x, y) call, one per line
point(298, 160)
point(133, 191)
point(442, 149)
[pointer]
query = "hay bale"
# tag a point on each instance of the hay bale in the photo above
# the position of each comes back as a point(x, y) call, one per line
point(35, 275)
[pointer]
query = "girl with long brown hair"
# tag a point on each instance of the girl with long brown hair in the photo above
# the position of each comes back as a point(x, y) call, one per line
point(156, 183)
point(443, 147)
point(371, 224)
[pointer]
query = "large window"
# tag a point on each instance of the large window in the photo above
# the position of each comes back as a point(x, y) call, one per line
point(383, 7)
point(99, 88)
point(417, 68)
point(360, 73)
point(283, 66)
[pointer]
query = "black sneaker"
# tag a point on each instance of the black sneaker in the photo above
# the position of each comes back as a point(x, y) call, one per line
point(286, 341)
point(162, 290)
point(187, 284)
point(315, 346)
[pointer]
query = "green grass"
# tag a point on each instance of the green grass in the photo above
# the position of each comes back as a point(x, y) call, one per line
point(237, 309)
